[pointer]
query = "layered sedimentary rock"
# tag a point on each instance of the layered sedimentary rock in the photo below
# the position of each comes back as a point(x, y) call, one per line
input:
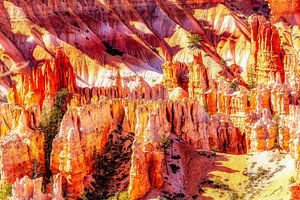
point(264, 132)
point(242, 124)
point(27, 188)
point(140, 37)
point(161, 69)
point(32, 87)
point(287, 10)
point(83, 132)
point(152, 121)
point(221, 29)
point(23, 147)
point(295, 190)
point(198, 79)
point(170, 79)
point(147, 157)
point(266, 55)
point(239, 124)
point(231, 130)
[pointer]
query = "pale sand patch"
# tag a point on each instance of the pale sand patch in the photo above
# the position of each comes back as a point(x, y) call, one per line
point(202, 176)
point(269, 187)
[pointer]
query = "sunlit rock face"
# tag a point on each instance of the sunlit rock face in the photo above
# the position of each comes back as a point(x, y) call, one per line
point(101, 39)
point(148, 76)
point(44, 81)
point(27, 188)
point(147, 158)
point(150, 121)
point(288, 11)
point(266, 51)
point(295, 190)
point(22, 147)
point(73, 148)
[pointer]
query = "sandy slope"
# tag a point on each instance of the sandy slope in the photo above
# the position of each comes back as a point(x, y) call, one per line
point(201, 175)
point(268, 187)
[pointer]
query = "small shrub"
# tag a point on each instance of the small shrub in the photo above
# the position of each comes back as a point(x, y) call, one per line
point(179, 195)
point(162, 198)
point(234, 196)
point(111, 50)
point(292, 180)
point(5, 190)
point(165, 142)
point(200, 190)
point(83, 196)
point(175, 168)
point(4, 99)
point(235, 85)
point(243, 196)
point(271, 160)
point(120, 196)
point(176, 157)
point(195, 40)
point(253, 164)
point(195, 37)
point(60, 96)
point(252, 178)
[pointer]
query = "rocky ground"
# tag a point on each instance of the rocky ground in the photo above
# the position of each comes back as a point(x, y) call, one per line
point(206, 175)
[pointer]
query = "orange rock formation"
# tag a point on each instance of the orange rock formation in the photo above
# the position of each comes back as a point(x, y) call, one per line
point(164, 70)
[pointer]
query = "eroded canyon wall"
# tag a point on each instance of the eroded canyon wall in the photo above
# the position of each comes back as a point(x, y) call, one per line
point(219, 117)
point(232, 130)
point(196, 96)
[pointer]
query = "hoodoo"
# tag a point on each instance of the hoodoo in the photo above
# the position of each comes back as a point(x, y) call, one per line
point(149, 99)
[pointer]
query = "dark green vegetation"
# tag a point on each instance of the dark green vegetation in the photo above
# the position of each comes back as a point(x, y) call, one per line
point(217, 184)
point(166, 143)
point(112, 167)
point(235, 85)
point(259, 177)
point(50, 126)
point(292, 180)
point(195, 40)
point(173, 196)
point(112, 51)
point(120, 196)
point(174, 168)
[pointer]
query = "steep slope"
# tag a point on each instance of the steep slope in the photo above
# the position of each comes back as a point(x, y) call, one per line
point(132, 37)
point(137, 96)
